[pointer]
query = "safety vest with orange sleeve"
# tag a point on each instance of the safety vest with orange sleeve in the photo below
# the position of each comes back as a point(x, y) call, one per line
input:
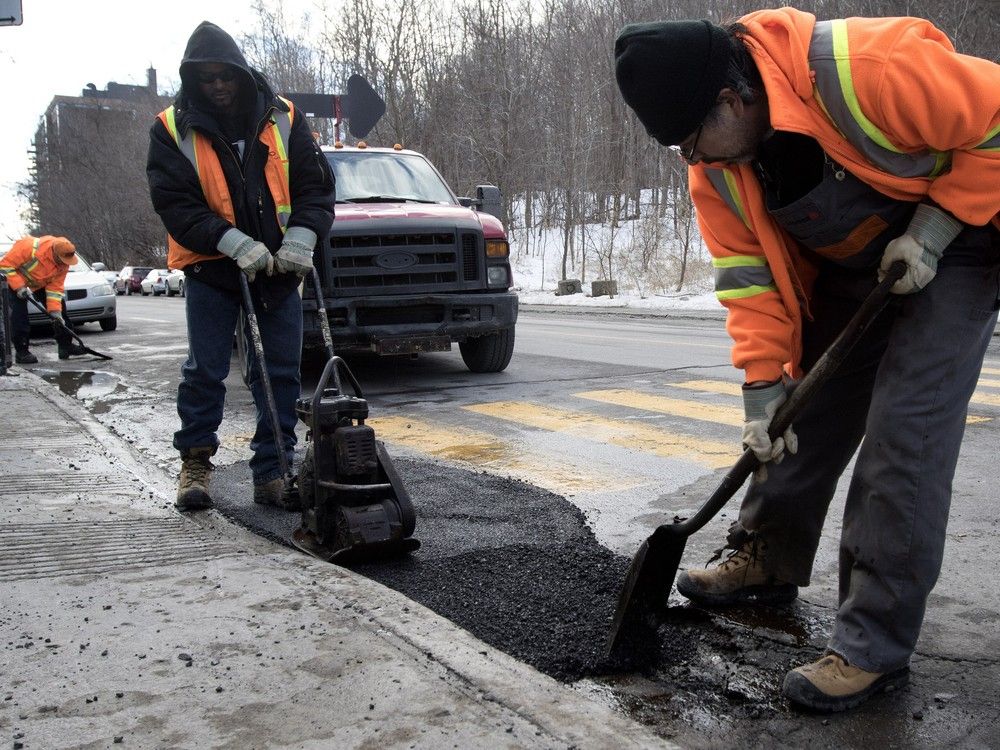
point(199, 151)
point(31, 262)
point(872, 92)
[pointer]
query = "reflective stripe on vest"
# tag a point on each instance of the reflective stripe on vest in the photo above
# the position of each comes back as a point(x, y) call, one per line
point(741, 276)
point(724, 182)
point(991, 142)
point(830, 59)
point(199, 151)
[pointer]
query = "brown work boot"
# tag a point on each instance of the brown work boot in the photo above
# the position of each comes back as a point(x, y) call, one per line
point(741, 577)
point(276, 493)
point(196, 470)
point(831, 684)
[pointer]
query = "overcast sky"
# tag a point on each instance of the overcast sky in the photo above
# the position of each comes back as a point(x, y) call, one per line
point(62, 45)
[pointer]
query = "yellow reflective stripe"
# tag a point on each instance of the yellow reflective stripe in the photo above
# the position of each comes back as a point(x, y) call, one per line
point(733, 261)
point(171, 123)
point(991, 142)
point(53, 295)
point(749, 291)
point(842, 57)
point(735, 195)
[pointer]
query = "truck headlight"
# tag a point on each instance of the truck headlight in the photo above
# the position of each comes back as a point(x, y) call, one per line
point(497, 249)
point(104, 290)
point(497, 276)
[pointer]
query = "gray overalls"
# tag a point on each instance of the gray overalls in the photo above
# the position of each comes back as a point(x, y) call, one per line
point(905, 390)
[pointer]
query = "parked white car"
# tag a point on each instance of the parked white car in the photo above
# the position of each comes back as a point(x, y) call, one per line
point(154, 282)
point(89, 298)
point(175, 283)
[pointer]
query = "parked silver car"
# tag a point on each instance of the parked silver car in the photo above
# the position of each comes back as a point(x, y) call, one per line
point(89, 298)
point(154, 282)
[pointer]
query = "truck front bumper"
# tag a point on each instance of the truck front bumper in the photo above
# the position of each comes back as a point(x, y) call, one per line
point(411, 323)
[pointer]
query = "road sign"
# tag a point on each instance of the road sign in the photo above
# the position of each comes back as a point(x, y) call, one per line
point(10, 12)
point(360, 106)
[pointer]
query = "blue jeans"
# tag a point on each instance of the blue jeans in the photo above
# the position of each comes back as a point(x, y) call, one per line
point(212, 316)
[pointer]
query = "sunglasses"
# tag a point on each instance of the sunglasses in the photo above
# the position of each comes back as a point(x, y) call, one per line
point(226, 76)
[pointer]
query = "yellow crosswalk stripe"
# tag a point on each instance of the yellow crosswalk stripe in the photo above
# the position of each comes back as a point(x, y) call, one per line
point(991, 371)
point(989, 383)
point(673, 406)
point(723, 387)
point(487, 453)
point(728, 388)
point(614, 432)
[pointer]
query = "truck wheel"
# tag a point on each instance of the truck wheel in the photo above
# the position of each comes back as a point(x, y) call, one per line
point(489, 353)
point(109, 324)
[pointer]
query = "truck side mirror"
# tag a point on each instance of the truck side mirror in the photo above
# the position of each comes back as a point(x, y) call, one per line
point(488, 200)
point(465, 201)
point(98, 266)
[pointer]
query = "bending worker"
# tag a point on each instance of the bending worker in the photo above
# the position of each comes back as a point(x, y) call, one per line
point(37, 267)
point(820, 153)
point(241, 187)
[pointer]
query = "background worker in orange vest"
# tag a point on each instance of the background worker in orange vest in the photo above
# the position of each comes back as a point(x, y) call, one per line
point(37, 266)
point(820, 153)
point(241, 187)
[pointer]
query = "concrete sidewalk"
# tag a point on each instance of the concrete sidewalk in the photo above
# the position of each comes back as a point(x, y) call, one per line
point(125, 623)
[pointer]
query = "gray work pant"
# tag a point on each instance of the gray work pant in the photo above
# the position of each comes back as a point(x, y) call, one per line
point(905, 389)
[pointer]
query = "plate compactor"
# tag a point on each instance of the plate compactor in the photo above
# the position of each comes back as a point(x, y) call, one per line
point(354, 505)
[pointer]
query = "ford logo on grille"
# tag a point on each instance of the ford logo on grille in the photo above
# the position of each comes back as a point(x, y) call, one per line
point(395, 260)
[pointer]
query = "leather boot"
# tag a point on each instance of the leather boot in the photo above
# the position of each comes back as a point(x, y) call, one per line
point(831, 684)
point(742, 577)
point(25, 357)
point(196, 471)
point(275, 493)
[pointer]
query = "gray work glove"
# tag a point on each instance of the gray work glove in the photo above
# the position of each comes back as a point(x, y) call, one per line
point(759, 406)
point(57, 319)
point(931, 230)
point(23, 293)
point(250, 255)
point(296, 252)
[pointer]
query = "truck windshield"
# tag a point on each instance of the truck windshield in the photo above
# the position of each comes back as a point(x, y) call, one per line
point(388, 178)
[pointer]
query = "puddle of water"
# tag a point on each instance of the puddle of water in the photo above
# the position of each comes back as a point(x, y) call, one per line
point(85, 385)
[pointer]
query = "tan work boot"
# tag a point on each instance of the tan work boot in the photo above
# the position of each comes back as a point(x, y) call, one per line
point(196, 470)
point(831, 684)
point(741, 577)
point(275, 493)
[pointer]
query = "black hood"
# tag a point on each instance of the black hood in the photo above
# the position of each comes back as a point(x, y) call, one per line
point(210, 44)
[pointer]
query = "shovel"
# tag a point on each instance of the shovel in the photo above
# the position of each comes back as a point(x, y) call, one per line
point(652, 572)
point(272, 406)
point(58, 322)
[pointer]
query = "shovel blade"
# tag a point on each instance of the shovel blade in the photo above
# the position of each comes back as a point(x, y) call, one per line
point(644, 594)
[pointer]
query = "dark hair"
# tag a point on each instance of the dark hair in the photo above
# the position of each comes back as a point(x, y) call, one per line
point(742, 75)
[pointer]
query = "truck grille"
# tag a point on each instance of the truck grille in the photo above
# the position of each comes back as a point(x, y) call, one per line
point(411, 262)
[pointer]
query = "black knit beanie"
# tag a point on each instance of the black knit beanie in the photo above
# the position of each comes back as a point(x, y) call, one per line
point(670, 73)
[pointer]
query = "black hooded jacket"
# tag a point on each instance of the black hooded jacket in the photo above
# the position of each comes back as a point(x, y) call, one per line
point(176, 192)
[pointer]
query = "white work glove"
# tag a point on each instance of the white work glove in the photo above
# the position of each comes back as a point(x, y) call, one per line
point(296, 252)
point(250, 255)
point(759, 406)
point(23, 293)
point(931, 230)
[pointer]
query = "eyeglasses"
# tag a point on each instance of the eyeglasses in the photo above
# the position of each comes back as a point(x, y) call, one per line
point(226, 76)
point(689, 154)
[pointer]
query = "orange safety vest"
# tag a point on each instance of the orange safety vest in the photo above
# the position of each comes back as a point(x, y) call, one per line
point(199, 151)
point(852, 85)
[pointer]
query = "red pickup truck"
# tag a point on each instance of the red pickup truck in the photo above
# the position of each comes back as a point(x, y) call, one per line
point(408, 267)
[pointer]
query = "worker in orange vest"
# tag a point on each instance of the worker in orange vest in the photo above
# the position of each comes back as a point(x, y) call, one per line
point(820, 153)
point(37, 267)
point(242, 188)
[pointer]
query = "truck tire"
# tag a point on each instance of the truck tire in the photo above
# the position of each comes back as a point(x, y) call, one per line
point(490, 353)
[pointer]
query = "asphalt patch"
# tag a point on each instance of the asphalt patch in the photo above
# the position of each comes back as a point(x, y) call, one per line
point(511, 563)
